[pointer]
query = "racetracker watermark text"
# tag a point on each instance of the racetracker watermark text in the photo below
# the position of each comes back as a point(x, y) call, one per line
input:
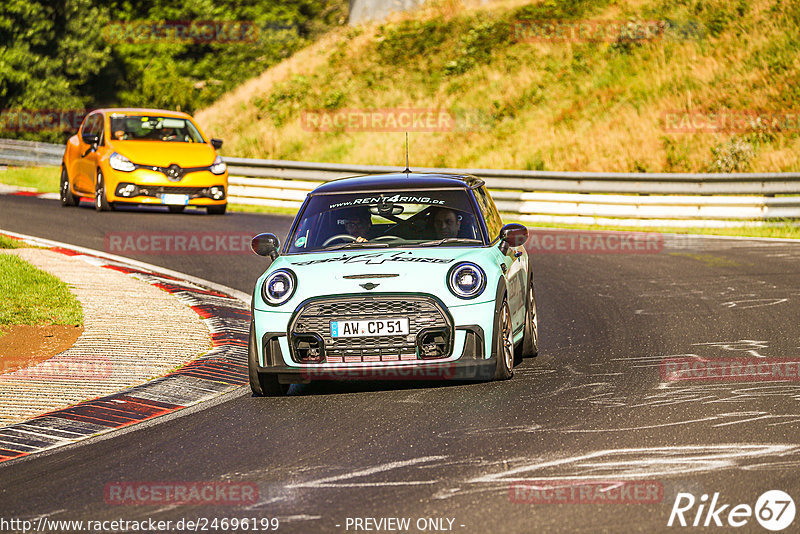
point(583, 242)
point(61, 368)
point(180, 493)
point(586, 492)
point(730, 369)
point(377, 372)
point(176, 243)
point(731, 121)
point(395, 120)
point(41, 120)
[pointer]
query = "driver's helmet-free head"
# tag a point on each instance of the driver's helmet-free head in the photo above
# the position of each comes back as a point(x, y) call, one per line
point(355, 221)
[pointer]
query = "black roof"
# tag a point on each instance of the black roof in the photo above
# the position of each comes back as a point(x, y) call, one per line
point(398, 182)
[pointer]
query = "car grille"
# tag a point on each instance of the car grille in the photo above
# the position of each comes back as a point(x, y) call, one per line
point(423, 313)
point(158, 190)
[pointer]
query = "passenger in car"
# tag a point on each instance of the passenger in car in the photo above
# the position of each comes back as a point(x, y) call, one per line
point(446, 223)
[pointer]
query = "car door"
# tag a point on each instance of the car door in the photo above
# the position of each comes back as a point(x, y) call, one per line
point(88, 156)
point(515, 259)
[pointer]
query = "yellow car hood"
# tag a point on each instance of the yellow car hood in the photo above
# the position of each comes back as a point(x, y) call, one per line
point(165, 153)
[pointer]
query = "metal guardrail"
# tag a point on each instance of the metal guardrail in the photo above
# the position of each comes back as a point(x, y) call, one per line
point(621, 199)
point(629, 199)
point(14, 152)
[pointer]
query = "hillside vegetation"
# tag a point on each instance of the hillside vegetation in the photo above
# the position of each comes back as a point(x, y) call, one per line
point(537, 104)
point(76, 55)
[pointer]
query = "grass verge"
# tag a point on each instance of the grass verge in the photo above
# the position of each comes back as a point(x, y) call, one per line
point(243, 208)
point(43, 179)
point(31, 296)
point(10, 242)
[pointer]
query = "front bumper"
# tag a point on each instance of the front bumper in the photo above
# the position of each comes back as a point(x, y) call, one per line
point(461, 370)
point(468, 359)
point(201, 188)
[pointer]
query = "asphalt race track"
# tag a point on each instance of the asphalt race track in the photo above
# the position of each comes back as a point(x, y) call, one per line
point(593, 406)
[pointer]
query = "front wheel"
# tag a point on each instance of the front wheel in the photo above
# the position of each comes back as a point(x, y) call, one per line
point(217, 210)
point(504, 339)
point(261, 384)
point(65, 191)
point(100, 201)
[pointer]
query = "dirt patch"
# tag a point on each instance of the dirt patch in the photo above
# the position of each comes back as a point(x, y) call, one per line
point(24, 345)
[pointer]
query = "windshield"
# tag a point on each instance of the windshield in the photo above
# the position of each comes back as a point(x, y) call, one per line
point(153, 128)
point(401, 219)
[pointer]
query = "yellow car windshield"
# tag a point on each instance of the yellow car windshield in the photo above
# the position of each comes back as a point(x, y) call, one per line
point(150, 128)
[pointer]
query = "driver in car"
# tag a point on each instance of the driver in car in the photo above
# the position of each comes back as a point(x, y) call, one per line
point(358, 224)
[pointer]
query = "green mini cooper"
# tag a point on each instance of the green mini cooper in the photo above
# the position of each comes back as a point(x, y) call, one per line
point(397, 277)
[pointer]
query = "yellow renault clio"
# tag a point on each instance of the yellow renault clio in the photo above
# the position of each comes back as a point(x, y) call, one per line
point(143, 156)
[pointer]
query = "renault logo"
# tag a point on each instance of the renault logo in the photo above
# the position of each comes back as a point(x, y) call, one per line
point(174, 172)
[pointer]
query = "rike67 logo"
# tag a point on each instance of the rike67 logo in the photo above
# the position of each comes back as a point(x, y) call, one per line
point(774, 510)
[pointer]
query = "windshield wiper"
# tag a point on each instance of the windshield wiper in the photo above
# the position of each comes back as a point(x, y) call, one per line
point(446, 240)
point(356, 244)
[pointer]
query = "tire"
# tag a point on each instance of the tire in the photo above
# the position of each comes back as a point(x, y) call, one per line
point(261, 384)
point(65, 190)
point(504, 340)
point(176, 209)
point(217, 210)
point(100, 201)
point(530, 339)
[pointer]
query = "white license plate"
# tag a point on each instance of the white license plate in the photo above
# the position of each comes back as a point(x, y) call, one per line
point(172, 200)
point(370, 328)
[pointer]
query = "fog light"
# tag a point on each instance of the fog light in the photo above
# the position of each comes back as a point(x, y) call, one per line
point(216, 192)
point(433, 343)
point(127, 190)
point(308, 347)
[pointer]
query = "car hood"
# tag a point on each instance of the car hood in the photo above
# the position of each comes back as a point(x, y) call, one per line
point(371, 271)
point(163, 154)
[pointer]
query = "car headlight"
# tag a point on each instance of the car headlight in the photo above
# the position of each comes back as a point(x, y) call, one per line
point(120, 163)
point(278, 287)
point(466, 280)
point(219, 166)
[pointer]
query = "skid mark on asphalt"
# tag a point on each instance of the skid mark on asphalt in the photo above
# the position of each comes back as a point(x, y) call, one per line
point(635, 463)
point(753, 303)
point(345, 480)
point(667, 464)
point(672, 394)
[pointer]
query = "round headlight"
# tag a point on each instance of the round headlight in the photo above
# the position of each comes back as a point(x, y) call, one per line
point(278, 287)
point(466, 280)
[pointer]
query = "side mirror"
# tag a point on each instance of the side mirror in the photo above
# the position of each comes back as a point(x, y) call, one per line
point(513, 235)
point(216, 143)
point(91, 139)
point(265, 245)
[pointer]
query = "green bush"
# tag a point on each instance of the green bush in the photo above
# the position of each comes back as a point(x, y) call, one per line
point(285, 100)
point(59, 54)
point(734, 156)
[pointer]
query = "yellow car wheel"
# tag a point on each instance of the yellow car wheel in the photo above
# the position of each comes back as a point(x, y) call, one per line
point(67, 198)
point(100, 201)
